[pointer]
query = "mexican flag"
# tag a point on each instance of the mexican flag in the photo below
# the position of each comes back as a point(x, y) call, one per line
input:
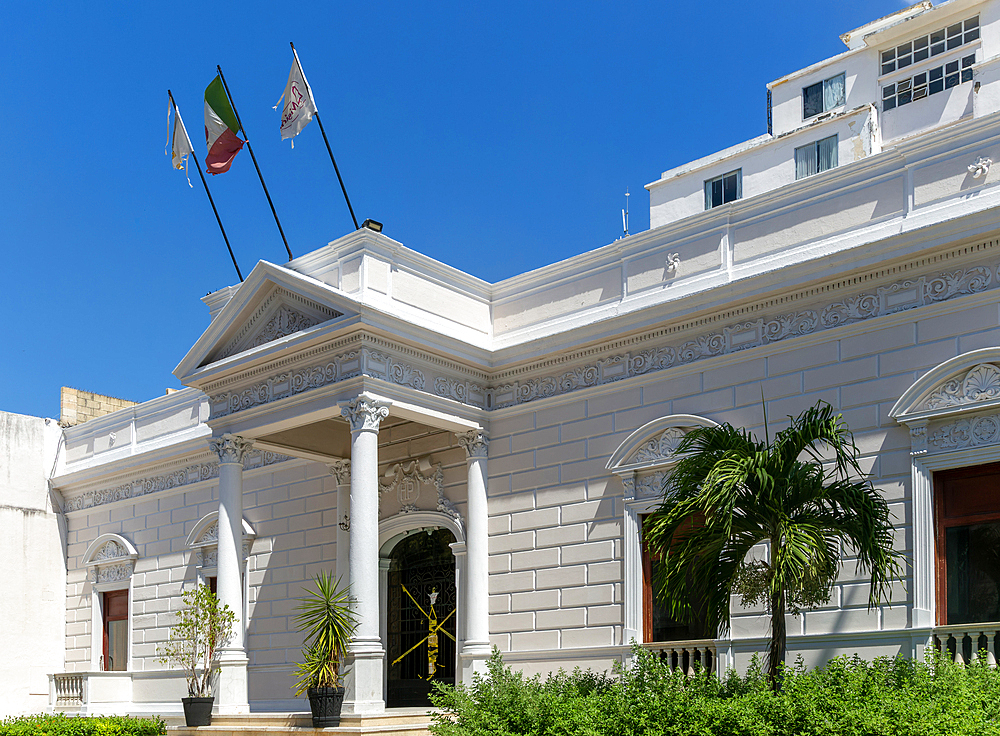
point(220, 129)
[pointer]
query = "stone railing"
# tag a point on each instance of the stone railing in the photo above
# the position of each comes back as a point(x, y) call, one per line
point(965, 642)
point(687, 656)
point(68, 689)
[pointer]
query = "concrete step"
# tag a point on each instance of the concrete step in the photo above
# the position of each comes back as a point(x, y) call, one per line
point(393, 722)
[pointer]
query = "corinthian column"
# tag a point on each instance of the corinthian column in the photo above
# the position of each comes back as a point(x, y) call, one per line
point(476, 649)
point(231, 695)
point(364, 681)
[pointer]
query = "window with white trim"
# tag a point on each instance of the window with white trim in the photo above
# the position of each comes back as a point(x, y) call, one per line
point(933, 44)
point(927, 83)
point(723, 189)
point(816, 157)
point(823, 96)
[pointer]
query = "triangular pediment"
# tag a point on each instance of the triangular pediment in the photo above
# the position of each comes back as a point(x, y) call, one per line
point(273, 304)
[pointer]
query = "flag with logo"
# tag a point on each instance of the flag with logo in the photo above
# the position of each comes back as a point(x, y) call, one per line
point(180, 147)
point(299, 106)
point(221, 128)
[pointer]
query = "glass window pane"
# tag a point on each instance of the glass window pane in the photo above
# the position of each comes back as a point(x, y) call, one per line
point(973, 568)
point(903, 61)
point(972, 23)
point(920, 43)
point(936, 73)
point(903, 98)
point(919, 93)
point(903, 86)
point(889, 91)
point(951, 67)
point(937, 49)
point(951, 81)
point(888, 104)
point(903, 50)
point(969, 60)
point(935, 86)
point(729, 186)
point(955, 30)
point(827, 153)
point(954, 42)
point(919, 79)
point(812, 100)
point(920, 55)
point(833, 92)
point(937, 36)
point(117, 645)
point(972, 35)
point(966, 75)
point(708, 195)
point(805, 161)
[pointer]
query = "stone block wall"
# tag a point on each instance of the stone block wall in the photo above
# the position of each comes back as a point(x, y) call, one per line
point(76, 406)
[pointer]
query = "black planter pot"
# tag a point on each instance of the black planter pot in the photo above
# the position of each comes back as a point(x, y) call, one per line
point(198, 711)
point(326, 703)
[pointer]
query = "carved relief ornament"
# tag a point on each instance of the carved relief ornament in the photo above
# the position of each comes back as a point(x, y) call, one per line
point(364, 414)
point(230, 448)
point(476, 444)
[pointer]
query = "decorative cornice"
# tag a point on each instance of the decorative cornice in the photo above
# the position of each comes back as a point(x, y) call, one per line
point(365, 414)
point(476, 444)
point(230, 448)
point(181, 477)
point(644, 356)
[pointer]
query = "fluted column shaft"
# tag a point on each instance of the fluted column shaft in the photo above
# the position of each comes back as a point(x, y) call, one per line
point(232, 694)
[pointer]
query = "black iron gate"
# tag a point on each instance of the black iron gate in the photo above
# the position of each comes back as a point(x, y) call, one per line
point(421, 617)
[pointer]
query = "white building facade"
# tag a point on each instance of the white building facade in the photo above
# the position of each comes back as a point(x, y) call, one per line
point(491, 449)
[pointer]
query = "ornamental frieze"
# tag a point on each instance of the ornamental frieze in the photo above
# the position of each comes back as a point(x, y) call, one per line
point(742, 335)
point(974, 432)
point(185, 476)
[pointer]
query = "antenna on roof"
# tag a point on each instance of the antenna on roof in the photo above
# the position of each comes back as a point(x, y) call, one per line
point(625, 215)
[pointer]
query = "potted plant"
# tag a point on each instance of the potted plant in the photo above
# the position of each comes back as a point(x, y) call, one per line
point(327, 621)
point(203, 625)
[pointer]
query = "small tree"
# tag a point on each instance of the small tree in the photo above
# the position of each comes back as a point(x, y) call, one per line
point(203, 625)
point(804, 496)
point(326, 619)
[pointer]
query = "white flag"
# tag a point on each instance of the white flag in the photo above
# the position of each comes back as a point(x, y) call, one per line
point(299, 104)
point(181, 148)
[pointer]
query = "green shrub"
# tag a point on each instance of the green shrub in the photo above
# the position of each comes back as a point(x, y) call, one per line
point(63, 725)
point(847, 697)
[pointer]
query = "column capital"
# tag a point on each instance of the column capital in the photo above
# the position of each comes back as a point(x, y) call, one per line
point(230, 448)
point(341, 470)
point(476, 444)
point(365, 413)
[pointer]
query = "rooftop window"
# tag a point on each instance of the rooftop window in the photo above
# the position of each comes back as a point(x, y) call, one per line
point(924, 47)
point(816, 157)
point(927, 83)
point(723, 189)
point(822, 96)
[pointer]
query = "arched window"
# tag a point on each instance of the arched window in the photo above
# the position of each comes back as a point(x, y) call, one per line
point(642, 462)
point(111, 559)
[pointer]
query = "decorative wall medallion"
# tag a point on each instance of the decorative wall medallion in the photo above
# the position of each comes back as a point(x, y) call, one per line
point(406, 480)
point(981, 383)
point(185, 476)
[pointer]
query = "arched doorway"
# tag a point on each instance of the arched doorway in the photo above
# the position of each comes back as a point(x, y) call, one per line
point(421, 615)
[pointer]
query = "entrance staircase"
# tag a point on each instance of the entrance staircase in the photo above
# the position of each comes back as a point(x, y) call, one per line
point(393, 722)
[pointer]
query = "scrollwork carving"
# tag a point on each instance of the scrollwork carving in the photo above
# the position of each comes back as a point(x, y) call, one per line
point(230, 448)
point(476, 444)
point(365, 414)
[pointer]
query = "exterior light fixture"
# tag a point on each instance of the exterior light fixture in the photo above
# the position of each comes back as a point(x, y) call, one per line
point(373, 225)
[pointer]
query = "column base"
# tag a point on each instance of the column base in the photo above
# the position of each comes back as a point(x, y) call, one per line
point(231, 692)
point(473, 660)
point(363, 682)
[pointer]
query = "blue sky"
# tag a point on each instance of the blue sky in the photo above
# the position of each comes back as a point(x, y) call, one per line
point(496, 137)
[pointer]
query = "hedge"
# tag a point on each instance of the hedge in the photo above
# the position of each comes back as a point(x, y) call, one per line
point(847, 697)
point(64, 725)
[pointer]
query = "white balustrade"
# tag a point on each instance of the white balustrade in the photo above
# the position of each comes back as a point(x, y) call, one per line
point(686, 656)
point(966, 642)
point(69, 689)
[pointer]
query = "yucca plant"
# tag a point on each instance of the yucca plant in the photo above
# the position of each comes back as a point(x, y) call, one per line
point(327, 621)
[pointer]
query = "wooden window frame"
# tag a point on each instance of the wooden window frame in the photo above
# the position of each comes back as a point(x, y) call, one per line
point(942, 523)
point(107, 597)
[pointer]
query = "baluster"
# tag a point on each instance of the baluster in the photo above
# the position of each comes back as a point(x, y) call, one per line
point(689, 670)
point(991, 658)
point(976, 649)
point(710, 658)
point(672, 659)
point(959, 649)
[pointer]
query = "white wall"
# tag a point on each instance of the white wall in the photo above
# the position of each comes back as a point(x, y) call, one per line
point(32, 607)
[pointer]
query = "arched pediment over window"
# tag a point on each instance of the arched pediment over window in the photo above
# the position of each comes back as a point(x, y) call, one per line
point(111, 559)
point(204, 539)
point(642, 460)
point(967, 382)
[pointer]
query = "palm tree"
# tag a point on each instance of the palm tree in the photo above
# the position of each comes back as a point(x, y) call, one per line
point(804, 495)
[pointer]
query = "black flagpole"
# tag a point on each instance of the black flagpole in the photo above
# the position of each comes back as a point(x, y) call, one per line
point(261, 176)
point(218, 219)
point(328, 149)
